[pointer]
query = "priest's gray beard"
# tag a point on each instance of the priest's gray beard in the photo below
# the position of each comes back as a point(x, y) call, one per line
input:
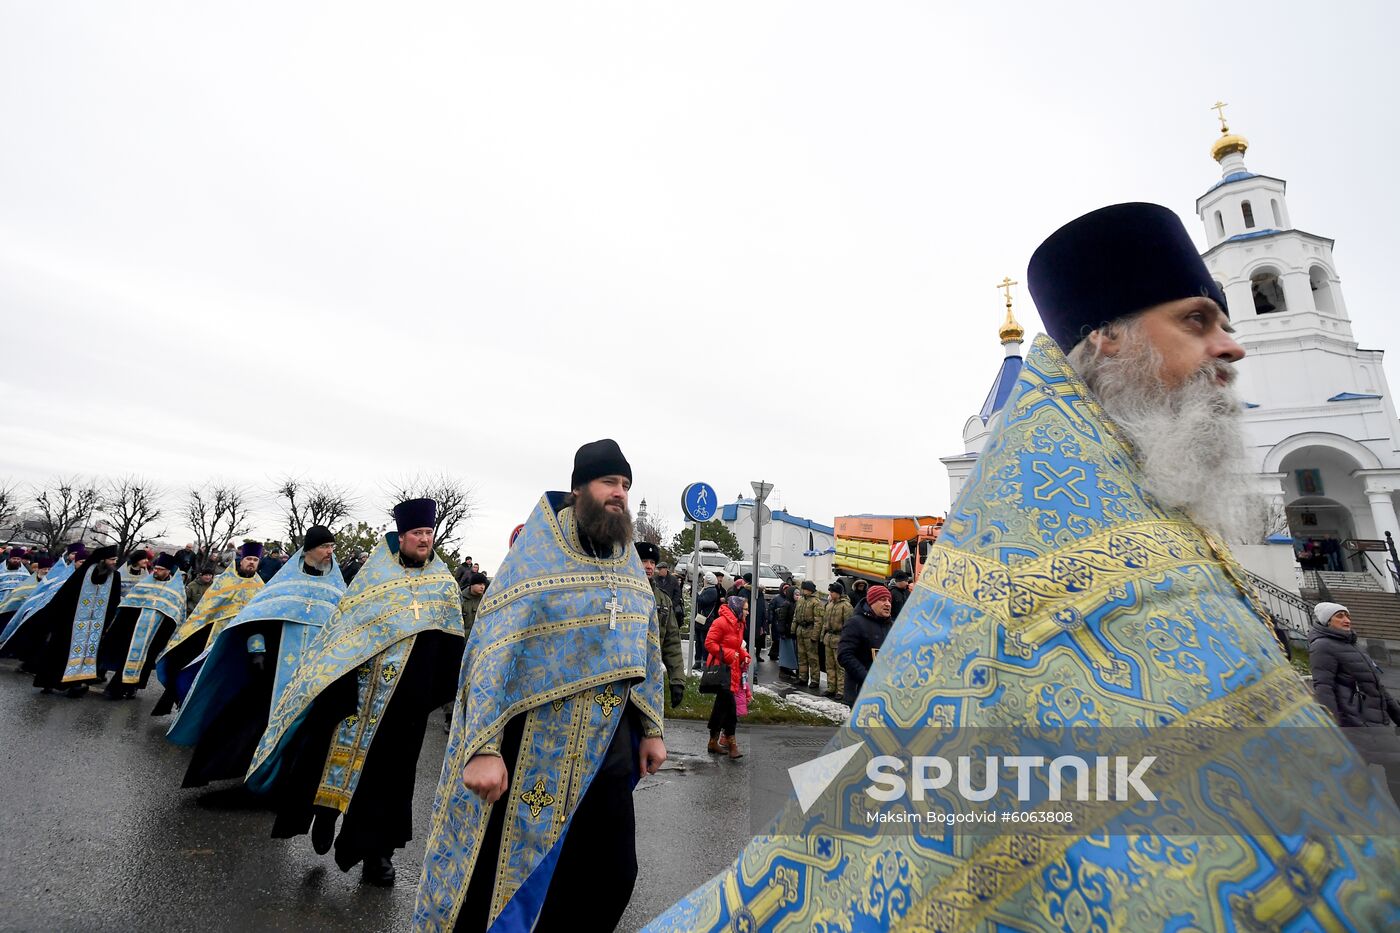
point(1189, 440)
point(321, 567)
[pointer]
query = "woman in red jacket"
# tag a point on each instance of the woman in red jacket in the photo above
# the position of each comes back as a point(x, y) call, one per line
point(724, 644)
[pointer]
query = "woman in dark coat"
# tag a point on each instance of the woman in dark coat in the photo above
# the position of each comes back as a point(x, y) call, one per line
point(1348, 683)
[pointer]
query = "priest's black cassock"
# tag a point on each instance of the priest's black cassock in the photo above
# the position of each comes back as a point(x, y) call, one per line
point(346, 734)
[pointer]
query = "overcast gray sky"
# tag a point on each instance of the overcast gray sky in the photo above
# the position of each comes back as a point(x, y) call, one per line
point(374, 239)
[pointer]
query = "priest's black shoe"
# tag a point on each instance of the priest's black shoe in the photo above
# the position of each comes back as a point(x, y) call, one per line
point(74, 692)
point(323, 831)
point(378, 871)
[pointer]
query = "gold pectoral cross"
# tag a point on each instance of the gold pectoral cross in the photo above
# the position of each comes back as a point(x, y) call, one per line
point(415, 606)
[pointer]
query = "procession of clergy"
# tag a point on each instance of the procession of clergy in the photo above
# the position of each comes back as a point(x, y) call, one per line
point(1082, 572)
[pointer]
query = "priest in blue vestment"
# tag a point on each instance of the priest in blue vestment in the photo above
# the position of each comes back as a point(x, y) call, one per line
point(177, 665)
point(1082, 603)
point(39, 569)
point(17, 635)
point(559, 712)
point(68, 630)
point(13, 573)
point(249, 665)
point(344, 737)
point(150, 611)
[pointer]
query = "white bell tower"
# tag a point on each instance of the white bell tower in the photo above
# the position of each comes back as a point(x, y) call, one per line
point(1320, 421)
point(1280, 282)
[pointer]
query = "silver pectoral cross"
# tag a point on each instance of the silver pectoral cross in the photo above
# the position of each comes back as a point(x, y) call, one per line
point(613, 607)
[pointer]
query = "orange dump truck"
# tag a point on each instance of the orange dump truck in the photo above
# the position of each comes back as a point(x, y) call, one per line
point(873, 547)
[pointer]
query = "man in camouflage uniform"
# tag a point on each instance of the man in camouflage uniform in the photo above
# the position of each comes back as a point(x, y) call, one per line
point(806, 621)
point(670, 625)
point(834, 616)
point(476, 583)
point(194, 590)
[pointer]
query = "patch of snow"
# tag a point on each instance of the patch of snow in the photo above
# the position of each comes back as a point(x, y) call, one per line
point(829, 709)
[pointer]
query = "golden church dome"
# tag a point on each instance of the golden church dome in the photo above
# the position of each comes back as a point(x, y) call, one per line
point(1011, 331)
point(1226, 144)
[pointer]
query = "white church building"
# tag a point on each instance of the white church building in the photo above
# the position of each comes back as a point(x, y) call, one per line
point(1320, 421)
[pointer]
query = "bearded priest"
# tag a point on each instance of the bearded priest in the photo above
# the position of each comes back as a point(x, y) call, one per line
point(559, 714)
point(150, 611)
point(1081, 608)
point(345, 735)
point(248, 666)
point(13, 573)
point(225, 598)
point(69, 629)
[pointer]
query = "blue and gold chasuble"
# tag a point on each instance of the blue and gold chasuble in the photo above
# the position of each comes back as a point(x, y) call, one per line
point(1063, 606)
point(302, 602)
point(566, 639)
point(371, 633)
point(224, 599)
point(10, 579)
point(29, 598)
point(157, 600)
point(89, 620)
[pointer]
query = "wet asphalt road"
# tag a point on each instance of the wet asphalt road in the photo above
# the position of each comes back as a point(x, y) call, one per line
point(98, 834)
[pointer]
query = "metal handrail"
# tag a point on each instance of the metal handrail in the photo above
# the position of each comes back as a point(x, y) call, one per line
point(1292, 609)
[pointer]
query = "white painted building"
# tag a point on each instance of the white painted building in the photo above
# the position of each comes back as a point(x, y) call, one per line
point(1320, 421)
point(1321, 424)
point(785, 540)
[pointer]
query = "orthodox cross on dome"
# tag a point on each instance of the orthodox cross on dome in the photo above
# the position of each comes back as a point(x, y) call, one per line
point(1011, 331)
point(1006, 285)
point(1228, 144)
point(1219, 107)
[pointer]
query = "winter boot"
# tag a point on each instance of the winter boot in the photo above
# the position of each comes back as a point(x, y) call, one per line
point(734, 747)
point(714, 748)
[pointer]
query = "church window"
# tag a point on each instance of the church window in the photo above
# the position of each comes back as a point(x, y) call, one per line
point(1322, 290)
point(1248, 215)
point(1267, 292)
point(1278, 215)
point(1219, 224)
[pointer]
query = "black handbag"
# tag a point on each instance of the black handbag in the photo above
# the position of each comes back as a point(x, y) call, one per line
point(714, 678)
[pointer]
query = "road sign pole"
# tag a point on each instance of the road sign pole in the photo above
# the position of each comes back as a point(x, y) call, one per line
point(698, 504)
point(695, 583)
point(760, 492)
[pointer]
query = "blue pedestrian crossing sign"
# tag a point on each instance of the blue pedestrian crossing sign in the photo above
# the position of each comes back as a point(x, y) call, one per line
point(699, 503)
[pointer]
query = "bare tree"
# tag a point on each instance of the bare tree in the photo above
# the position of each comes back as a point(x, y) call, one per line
point(1266, 517)
point(65, 509)
point(306, 504)
point(131, 506)
point(456, 502)
point(216, 515)
point(9, 506)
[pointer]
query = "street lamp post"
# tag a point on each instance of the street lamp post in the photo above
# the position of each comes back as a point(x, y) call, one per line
point(760, 492)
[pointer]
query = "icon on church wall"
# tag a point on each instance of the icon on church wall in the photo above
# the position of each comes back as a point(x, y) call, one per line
point(1309, 482)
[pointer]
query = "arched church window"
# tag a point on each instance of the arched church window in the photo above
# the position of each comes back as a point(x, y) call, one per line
point(1322, 290)
point(1219, 224)
point(1248, 215)
point(1278, 215)
point(1267, 292)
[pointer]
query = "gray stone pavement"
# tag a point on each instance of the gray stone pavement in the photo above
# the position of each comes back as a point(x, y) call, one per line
point(100, 836)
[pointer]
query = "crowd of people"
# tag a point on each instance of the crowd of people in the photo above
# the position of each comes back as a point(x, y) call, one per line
point(1081, 587)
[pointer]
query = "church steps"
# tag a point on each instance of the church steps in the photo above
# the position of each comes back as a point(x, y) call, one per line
point(1374, 613)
